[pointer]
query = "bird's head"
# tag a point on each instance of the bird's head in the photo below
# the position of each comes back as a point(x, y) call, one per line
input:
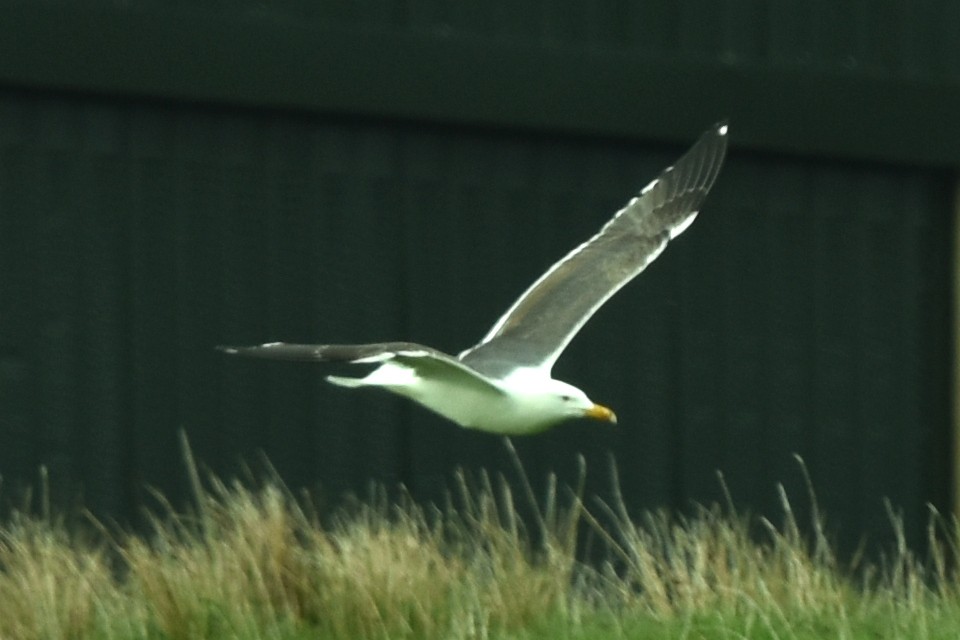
point(540, 402)
point(571, 402)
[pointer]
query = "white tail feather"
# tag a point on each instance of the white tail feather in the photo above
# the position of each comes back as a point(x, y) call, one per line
point(389, 374)
point(343, 381)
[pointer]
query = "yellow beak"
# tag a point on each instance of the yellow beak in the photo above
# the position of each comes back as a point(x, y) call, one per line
point(599, 412)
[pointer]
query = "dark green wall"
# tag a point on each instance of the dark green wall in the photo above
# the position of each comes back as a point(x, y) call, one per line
point(150, 211)
point(879, 81)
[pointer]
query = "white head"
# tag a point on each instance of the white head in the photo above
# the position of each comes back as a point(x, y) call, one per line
point(574, 403)
point(546, 401)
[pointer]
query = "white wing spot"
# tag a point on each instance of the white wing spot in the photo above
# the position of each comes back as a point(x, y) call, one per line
point(647, 188)
point(271, 344)
point(680, 228)
point(722, 130)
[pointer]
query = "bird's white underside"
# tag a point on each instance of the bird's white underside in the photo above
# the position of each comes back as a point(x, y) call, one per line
point(518, 404)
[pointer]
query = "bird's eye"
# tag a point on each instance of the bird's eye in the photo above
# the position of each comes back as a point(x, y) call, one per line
point(566, 398)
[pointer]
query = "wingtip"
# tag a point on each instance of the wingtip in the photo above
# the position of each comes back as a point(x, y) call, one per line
point(721, 127)
point(248, 350)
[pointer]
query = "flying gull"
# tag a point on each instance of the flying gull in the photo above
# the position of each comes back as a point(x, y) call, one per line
point(503, 384)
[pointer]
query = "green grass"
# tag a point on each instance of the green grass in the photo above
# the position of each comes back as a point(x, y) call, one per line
point(256, 563)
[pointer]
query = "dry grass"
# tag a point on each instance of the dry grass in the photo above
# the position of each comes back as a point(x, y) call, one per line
point(258, 564)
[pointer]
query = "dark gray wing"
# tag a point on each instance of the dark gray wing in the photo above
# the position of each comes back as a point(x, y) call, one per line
point(540, 324)
point(357, 353)
point(426, 361)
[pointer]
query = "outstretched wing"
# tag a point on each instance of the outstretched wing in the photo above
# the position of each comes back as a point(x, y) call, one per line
point(423, 361)
point(354, 353)
point(540, 324)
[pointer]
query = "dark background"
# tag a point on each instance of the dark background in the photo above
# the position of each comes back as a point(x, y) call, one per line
point(178, 176)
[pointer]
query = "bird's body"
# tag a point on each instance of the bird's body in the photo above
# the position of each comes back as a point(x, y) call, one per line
point(503, 384)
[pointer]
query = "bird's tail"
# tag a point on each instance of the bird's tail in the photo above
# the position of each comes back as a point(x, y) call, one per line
point(391, 375)
point(344, 381)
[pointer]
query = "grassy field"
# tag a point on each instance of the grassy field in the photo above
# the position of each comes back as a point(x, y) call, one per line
point(256, 563)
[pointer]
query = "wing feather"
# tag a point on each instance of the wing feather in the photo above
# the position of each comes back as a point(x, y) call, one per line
point(541, 323)
point(426, 361)
point(355, 353)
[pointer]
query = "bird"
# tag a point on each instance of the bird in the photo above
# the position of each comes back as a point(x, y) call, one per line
point(503, 384)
